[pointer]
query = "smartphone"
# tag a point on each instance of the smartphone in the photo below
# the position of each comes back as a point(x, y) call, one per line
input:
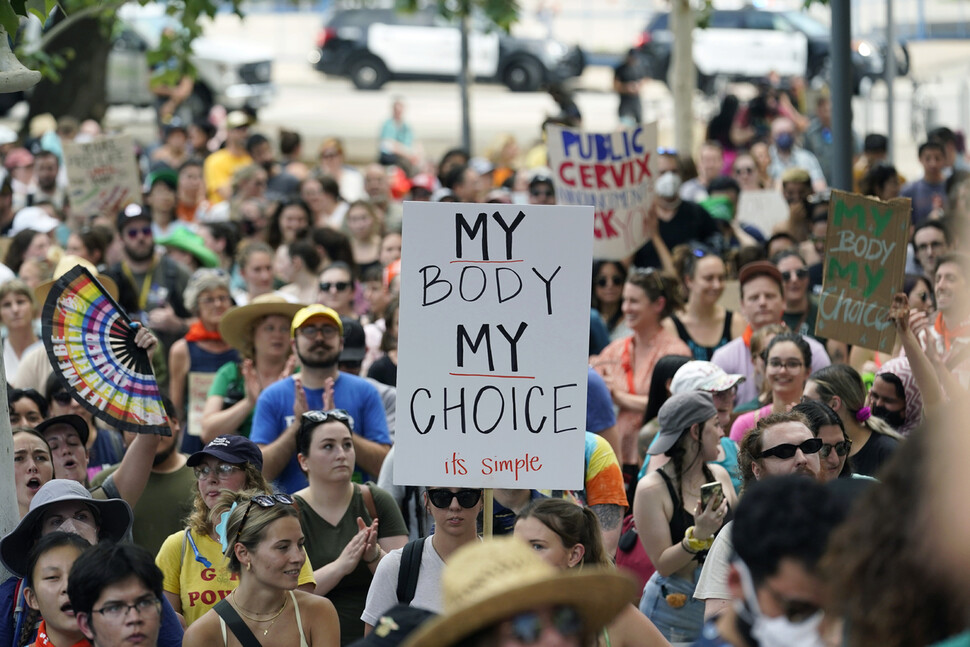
point(711, 491)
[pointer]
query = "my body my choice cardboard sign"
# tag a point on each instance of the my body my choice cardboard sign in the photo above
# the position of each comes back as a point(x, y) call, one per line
point(103, 175)
point(493, 345)
point(865, 262)
point(612, 171)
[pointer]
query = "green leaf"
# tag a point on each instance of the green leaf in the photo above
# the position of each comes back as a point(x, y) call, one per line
point(9, 18)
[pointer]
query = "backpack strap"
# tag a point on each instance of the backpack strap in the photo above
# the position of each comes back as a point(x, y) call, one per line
point(236, 624)
point(368, 497)
point(407, 576)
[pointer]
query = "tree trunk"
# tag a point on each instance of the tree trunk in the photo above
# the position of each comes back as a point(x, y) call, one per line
point(81, 91)
point(683, 75)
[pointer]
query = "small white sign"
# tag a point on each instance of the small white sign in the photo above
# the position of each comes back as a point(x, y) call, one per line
point(493, 345)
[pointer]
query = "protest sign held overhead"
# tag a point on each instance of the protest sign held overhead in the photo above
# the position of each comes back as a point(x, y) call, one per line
point(103, 175)
point(493, 345)
point(613, 172)
point(865, 261)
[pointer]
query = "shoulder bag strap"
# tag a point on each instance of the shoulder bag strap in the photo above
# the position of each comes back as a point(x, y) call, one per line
point(236, 624)
point(407, 576)
point(368, 501)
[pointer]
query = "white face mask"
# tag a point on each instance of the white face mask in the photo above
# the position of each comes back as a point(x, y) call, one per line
point(667, 185)
point(775, 632)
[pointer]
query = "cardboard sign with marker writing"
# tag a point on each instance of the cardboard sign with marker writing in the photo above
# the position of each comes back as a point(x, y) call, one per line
point(612, 171)
point(865, 261)
point(102, 174)
point(493, 346)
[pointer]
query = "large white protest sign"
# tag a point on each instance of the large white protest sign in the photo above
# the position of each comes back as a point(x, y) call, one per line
point(493, 345)
point(762, 209)
point(102, 174)
point(612, 171)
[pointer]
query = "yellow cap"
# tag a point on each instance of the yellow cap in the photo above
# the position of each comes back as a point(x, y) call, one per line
point(315, 310)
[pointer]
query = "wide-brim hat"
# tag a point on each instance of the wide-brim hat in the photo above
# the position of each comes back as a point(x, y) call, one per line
point(487, 582)
point(115, 522)
point(67, 263)
point(237, 322)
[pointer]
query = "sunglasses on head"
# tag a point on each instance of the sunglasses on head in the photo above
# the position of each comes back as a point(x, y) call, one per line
point(526, 628)
point(799, 274)
point(263, 501)
point(340, 286)
point(320, 417)
point(603, 281)
point(787, 450)
point(467, 498)
point(841, 448)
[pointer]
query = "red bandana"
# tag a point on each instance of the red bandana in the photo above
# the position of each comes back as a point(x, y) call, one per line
point(198, 332)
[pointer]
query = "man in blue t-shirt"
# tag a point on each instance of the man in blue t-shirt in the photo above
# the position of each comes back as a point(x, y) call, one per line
point(317, 338)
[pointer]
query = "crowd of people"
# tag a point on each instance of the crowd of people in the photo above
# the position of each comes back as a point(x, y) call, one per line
point(742, 471)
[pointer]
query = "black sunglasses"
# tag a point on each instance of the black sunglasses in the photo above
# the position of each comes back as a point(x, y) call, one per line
point(841, 448)
point(603, 281)
point(263, 501)
point(543, 194)
point(787, 450)
point(800, 274)
point(340, 285)
point(320, 417)
point(467, 498)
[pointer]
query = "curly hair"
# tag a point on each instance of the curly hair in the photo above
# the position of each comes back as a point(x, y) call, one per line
point(879, 566)
point(749, 449)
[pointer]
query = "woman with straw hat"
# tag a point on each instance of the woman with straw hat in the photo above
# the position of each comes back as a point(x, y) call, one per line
point(260, 332)
point(499, 593)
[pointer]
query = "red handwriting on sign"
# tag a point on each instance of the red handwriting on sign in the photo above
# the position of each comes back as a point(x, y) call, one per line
point(604, 176)
point(528, 463)
point(603, 225)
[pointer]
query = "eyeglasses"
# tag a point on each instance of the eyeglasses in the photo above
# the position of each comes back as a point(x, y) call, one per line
point(263, 501)
point(799, 274)
point(536, 193)
point(311, 332)
point(526, 628)
point(841, 448)
point(209, 301)
point(320, 417)
point(222, 470)
point(603, 281)
point(467, 498)
point(115, 611)
point(787, 450)
point(135, 232)
point(326, 286)
point(790, 364)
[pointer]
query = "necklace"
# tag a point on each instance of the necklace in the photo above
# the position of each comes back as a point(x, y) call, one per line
point(271, 620)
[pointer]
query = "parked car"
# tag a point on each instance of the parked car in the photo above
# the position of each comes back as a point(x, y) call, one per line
point(374, 46)
point(747, 44)
point(235, 75)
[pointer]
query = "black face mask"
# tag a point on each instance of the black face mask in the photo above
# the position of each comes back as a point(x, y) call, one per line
point(895, 419)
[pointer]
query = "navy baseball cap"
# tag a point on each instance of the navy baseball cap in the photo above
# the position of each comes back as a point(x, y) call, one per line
point(232, 449)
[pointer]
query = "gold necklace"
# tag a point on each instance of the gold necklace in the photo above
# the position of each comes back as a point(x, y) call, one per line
point(249, 617)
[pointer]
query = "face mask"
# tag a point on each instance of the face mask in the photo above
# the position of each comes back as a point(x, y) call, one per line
point(895, 419)
point(785, 141)
point(667, 185)
point(774, 632)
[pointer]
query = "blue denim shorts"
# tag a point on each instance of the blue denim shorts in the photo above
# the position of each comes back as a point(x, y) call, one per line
point(678, 625)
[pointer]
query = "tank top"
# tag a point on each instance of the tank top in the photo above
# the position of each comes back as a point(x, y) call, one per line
point(299, 625)
point(699, 352)
point(681, 520)
point(202, 361)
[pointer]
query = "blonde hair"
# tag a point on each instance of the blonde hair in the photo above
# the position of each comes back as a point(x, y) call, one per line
point(257, 519)
point(17, 286)
point(198, 520)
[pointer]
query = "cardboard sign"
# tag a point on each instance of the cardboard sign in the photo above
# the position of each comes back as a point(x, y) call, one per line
point(199, 385)
point(865, 261)
point(762, 209)
point(612, 171)
point(493, 345)
point(102, 175)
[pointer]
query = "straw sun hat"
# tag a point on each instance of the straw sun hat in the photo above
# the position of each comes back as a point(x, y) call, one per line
point(236, 325)
point(67, 263)
point(487, 582)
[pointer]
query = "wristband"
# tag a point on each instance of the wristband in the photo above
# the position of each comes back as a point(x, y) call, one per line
point(380, 553)
point(696, 544)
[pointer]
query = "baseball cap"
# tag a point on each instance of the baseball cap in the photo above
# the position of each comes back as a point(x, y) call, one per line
point(237, 119)
point(760, 268)
point(35, 218)
point(677, 415)
point(703, 376)
point(315, 310)
point(231, 449)
point(355, 341)
point(115, 520)
point(71, 420)
point(541, 176)
point(132, 213)
point(394, 625)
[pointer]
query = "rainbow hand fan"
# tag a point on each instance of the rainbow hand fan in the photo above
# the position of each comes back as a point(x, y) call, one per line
point(91, 344)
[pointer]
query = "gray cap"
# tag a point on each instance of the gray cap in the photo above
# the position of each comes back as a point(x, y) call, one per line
point(115, 520)
point(677, 415)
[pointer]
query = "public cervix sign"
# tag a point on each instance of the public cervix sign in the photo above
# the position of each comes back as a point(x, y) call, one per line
point(865, 260)
point(612, 171)
point(493, 345)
